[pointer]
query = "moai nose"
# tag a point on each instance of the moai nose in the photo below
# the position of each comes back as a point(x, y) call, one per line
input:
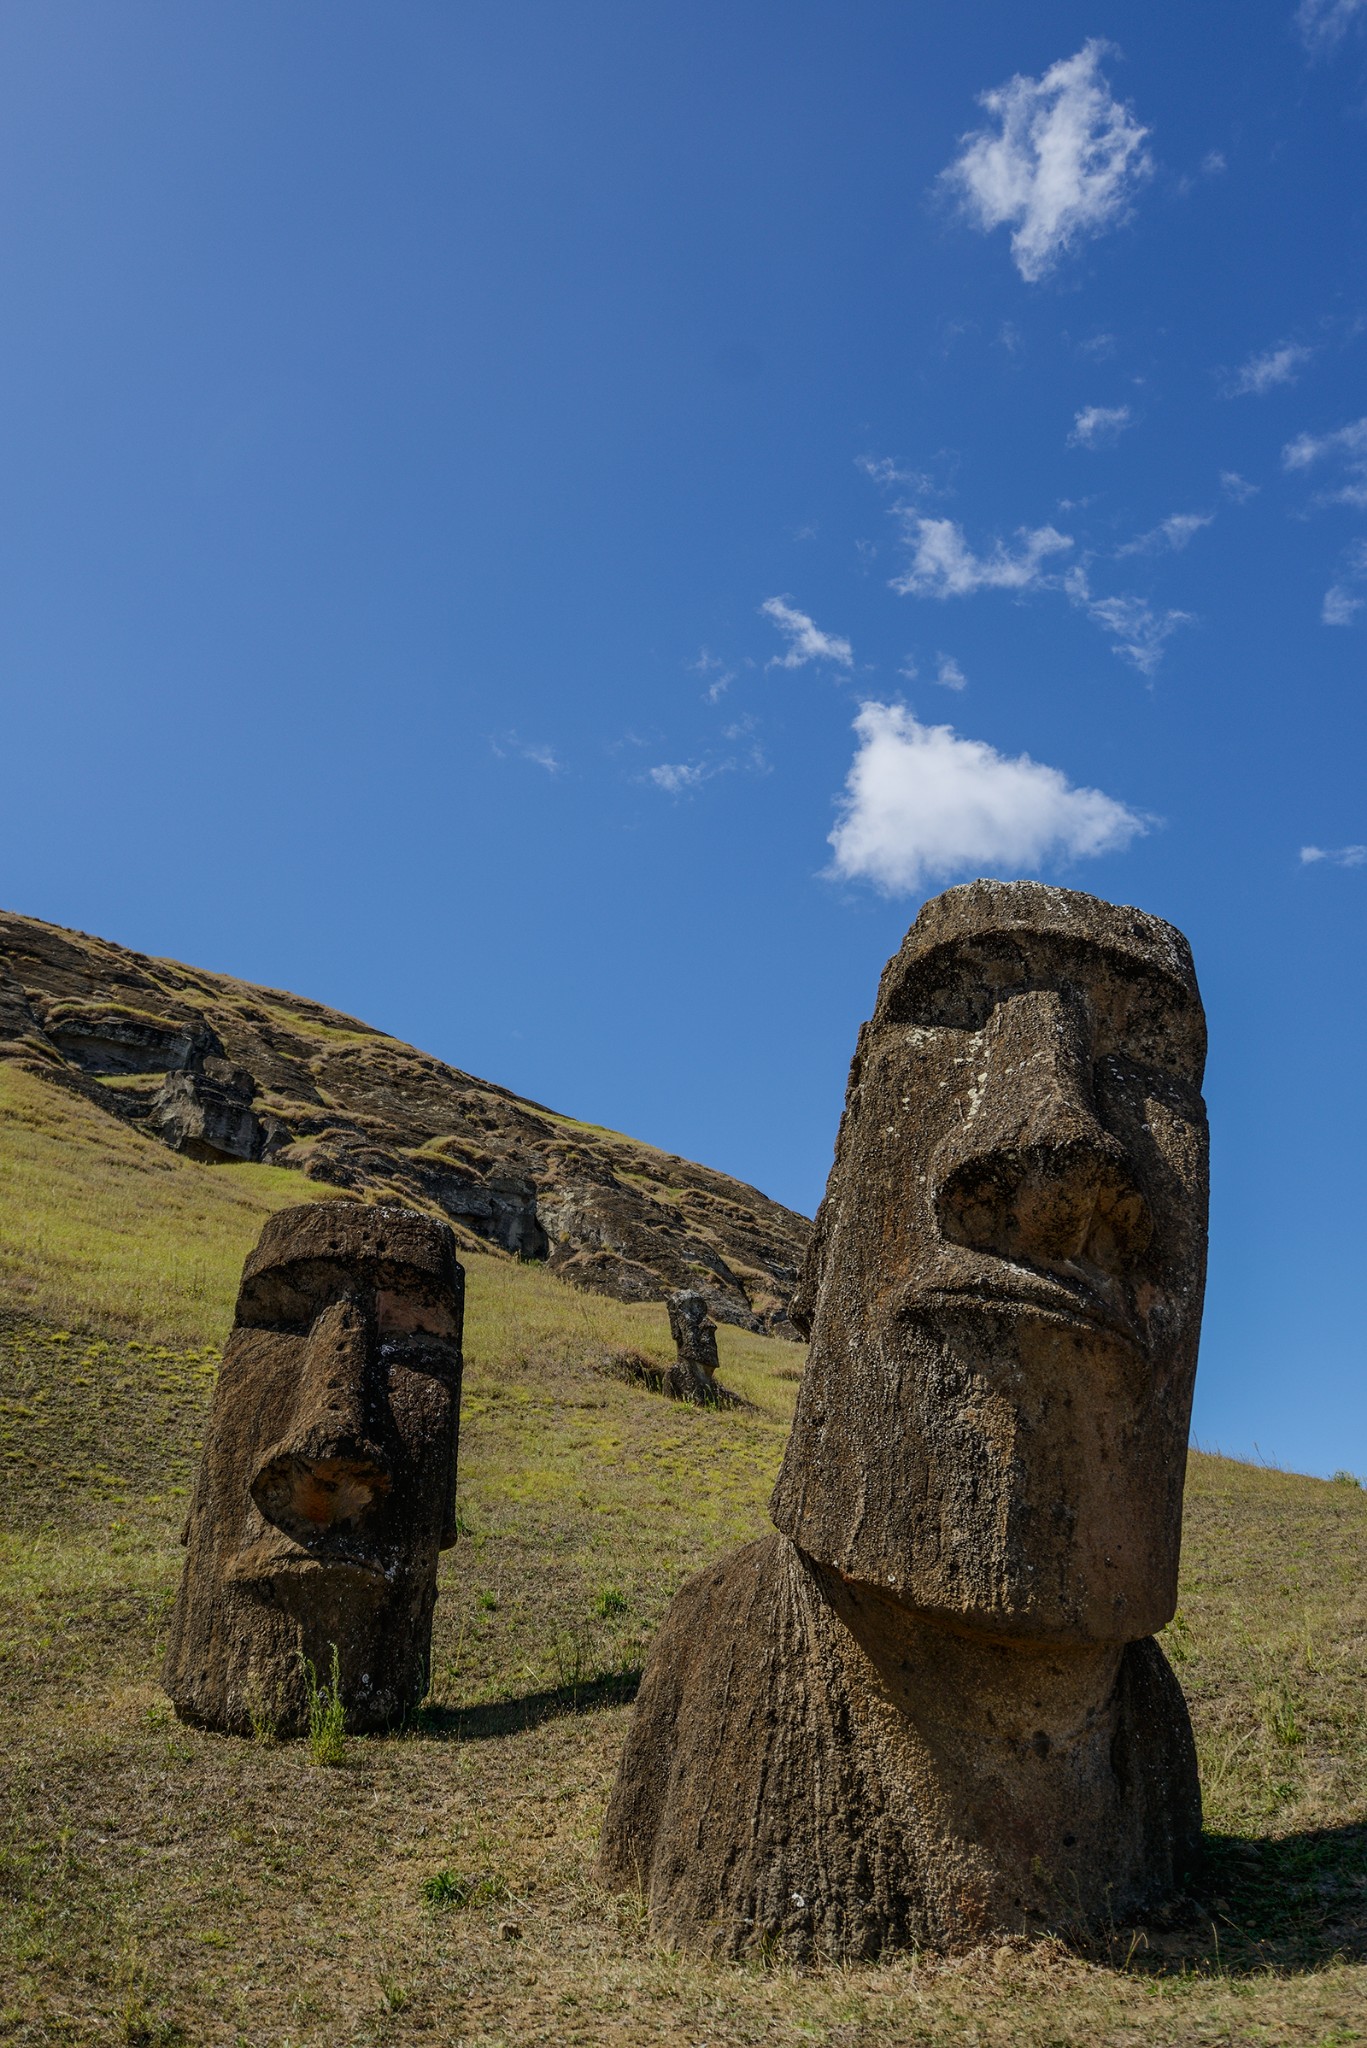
point(1033, 1174)
point(326, 1472)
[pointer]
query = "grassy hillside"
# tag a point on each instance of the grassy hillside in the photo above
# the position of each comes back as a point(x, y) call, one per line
point(219, 1068)
point(160, 1885)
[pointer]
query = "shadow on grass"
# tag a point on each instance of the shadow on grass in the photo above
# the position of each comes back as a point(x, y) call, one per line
point(1286, 1903)
point(514, 1717)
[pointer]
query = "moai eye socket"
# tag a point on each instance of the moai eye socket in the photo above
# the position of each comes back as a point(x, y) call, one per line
point(402, 1311)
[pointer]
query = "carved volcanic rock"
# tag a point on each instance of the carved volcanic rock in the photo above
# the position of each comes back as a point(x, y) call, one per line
point(328, 1481)
point(931, 1707)
point(222, 1069)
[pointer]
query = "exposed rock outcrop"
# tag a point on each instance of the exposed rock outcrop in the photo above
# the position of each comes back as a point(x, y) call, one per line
point(206, 1111)
point(224, 1070)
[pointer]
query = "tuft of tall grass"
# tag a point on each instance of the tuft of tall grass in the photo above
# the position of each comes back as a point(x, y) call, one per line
point(327, 1715)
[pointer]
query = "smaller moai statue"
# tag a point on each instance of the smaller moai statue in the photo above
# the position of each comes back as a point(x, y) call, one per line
point(695, 1340)
point(326, 1489)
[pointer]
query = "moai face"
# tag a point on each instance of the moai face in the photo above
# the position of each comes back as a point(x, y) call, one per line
point(1004, 1290)
point(327, 1486)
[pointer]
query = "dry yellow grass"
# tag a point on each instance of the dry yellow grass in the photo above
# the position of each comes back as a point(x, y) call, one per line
point(161, 1885)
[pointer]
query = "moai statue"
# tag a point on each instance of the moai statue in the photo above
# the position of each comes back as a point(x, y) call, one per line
point(694, 1377)
point(931, 1707)
point(327, 1484)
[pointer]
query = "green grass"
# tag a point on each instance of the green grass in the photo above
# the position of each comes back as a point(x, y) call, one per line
point(102, 1226)
point(161, 1883)
point(327, 1715)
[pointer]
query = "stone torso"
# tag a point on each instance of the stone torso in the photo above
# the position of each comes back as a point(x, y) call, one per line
point(811, 1769)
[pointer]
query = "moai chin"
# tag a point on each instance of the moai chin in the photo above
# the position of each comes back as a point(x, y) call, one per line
point(931, 1707)
point(327, 1484)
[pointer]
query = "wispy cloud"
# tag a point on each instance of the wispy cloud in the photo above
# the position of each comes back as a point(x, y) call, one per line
point(505, 743)
point(948, 674)
point(1323, 23)
point(1337, 856)
point(677, 776)
point(1348, 444)
point(806, 641)
point(1341, 605)
point(1170, 536)
point(943, 565)
point(1139, 631)
point(884, 470)
point(1344, 598)
point(1099, 426)
point(921, 803)
point(1263, 373)
point(680, 778)
point(1061, 165)
point(1238, 487)
point(717, 676)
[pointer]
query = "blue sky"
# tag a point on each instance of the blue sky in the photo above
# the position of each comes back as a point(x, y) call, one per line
point(554, 526)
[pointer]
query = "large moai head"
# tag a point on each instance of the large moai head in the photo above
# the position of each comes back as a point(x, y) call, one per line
point(1004, 1286)
point(327, 1484)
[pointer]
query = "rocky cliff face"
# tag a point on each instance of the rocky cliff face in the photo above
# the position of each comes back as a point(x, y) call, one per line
point(223, 1070)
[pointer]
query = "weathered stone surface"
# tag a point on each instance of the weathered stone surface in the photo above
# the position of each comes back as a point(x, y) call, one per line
point(930, 1707)
point(20, 1031)
point(343, 1105)
point(693, 1331)
point(104, 1039)
point(327, 1484)
point(207, 1113)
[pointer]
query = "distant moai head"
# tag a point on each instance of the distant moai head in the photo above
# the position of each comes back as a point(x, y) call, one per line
point(327, 1484)
point(693, 1331)
point(1004, 1286)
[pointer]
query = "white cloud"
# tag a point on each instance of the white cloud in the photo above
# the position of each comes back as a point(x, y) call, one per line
point(677, 776)
point(1238, 487)
point(1097, 426)
point(1324, 22)
point(948, 674)
point(1340, 607)
point(1140, 632)
point(1263, 373)
point(505, 743)
point(1342, 602)
point(1063, 163)
point(943, 565)
point(1338, 856)
point(884, 470)
point(806, 641)
point(1213, 163)
point(1349, 444)
point(921, 804)
point(1170, 535)
point(716, 674)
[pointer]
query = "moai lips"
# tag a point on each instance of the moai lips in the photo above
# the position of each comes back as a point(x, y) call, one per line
point(327, 1484)
point(931, 1708)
